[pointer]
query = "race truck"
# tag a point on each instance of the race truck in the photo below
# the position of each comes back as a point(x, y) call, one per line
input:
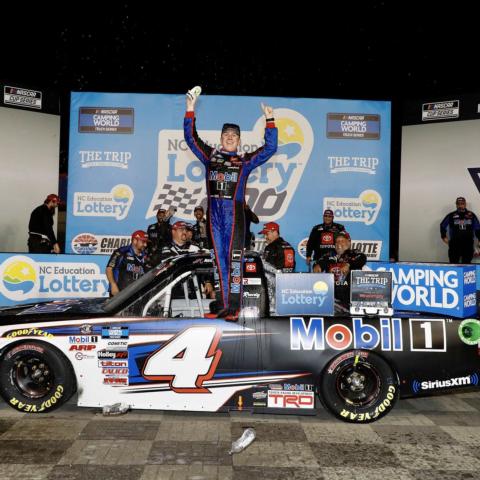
point(157, 345)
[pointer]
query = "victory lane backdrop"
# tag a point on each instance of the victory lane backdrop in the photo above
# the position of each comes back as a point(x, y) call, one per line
point(128, 157)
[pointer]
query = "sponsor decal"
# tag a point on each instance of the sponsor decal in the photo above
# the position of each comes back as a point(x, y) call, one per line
point(112, 363)
point(114, 332)
point(181, 177)
point(22, 278)
point(316, 334)
point(115, 203)
point(353, 126)
point(259, 395)
point(105, 120)
point(259, 404)
point(365, 208)
point(115, 381)
point(431, 288)
point(418, 387)
point(86, 329)
point(106, 354)
point(347, 164)
point(99, 158)
point(252, 281)
point(88, 244)
point(22, 97)
point(84, 244)
point(45, 405)
point(251, 295)
point(469, 331)
point(302, 248)
point(371, 248)
point(83, 348)
point(114, 371)
point(83, 356)
point(251, 267)
point(306, 294)
point(117, 343)
point(298, 387)
point(291, 399)
point(27, 332)
point(275, 386)
point(82, 339)
point(440, 110)
point(236, 255)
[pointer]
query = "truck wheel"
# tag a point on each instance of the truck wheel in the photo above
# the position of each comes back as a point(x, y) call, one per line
point(359, 387)
point(35, 377)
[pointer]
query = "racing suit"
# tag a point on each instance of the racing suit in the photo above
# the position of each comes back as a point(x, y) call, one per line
point(461, 225)
point(281, 255)
point(127, 265)
point(226, 177)
point(322, 239)
point(332, 263)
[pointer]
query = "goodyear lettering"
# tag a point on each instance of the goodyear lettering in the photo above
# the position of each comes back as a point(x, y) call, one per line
point(29, 332)
point(29, 407)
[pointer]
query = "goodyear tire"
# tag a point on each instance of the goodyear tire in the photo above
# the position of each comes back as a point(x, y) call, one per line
point(35, 377)
point(359, 387)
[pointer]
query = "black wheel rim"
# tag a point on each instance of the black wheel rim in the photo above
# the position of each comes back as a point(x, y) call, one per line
point(359, 385)
point(32, 376)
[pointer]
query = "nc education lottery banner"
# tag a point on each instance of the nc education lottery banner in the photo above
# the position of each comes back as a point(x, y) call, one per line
point(128, 158)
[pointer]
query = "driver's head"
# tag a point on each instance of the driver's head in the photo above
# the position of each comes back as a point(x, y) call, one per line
point(230, 138)
point(342, 242)
point(139, 240)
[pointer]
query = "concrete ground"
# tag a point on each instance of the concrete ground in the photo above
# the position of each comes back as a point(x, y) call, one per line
point(423, 438)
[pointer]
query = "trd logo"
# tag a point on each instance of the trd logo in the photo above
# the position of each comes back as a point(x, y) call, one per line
point(84, 348)
point(281, 399)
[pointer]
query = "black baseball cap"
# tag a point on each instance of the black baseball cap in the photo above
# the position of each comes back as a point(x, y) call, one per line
point(231, 126)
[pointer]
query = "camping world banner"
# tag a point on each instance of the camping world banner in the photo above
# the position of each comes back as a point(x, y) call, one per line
point(128, 158)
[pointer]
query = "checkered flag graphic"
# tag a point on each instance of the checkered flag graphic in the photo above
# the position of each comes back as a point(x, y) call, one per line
point(182, 198)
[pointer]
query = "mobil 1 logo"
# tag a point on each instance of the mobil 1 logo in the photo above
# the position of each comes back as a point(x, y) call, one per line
point(428, 335)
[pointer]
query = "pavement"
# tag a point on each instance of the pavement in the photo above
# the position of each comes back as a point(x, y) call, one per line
point(422, 438)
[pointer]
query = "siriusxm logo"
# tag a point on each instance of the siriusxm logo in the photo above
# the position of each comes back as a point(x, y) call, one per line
point(363, 209)
point(270, 187)
point(317, 335)
point(451, 382)
point(21, 278)
point(115, 203)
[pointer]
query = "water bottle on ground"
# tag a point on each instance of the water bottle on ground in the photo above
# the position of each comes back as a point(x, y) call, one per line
point(248, 436)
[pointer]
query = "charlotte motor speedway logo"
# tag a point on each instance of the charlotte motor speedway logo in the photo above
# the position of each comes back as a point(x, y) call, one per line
point(22, 278)
point(270, 187)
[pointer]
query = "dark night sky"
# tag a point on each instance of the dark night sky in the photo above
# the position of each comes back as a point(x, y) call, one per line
point(354, 49)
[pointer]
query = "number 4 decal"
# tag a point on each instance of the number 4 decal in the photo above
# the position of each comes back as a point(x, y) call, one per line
point(187, 360)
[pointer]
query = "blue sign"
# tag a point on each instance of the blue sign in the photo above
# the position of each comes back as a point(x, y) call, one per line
point(449, 290)
point(128, 157)
point(42, 277)
point(305, 294)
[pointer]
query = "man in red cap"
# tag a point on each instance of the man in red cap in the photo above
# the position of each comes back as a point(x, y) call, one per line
point(127, 263)
point(41, 237)
point(278, 252)
point(322, 237)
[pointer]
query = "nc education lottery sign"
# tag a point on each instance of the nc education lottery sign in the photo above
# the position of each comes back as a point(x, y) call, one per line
point(128, 158)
